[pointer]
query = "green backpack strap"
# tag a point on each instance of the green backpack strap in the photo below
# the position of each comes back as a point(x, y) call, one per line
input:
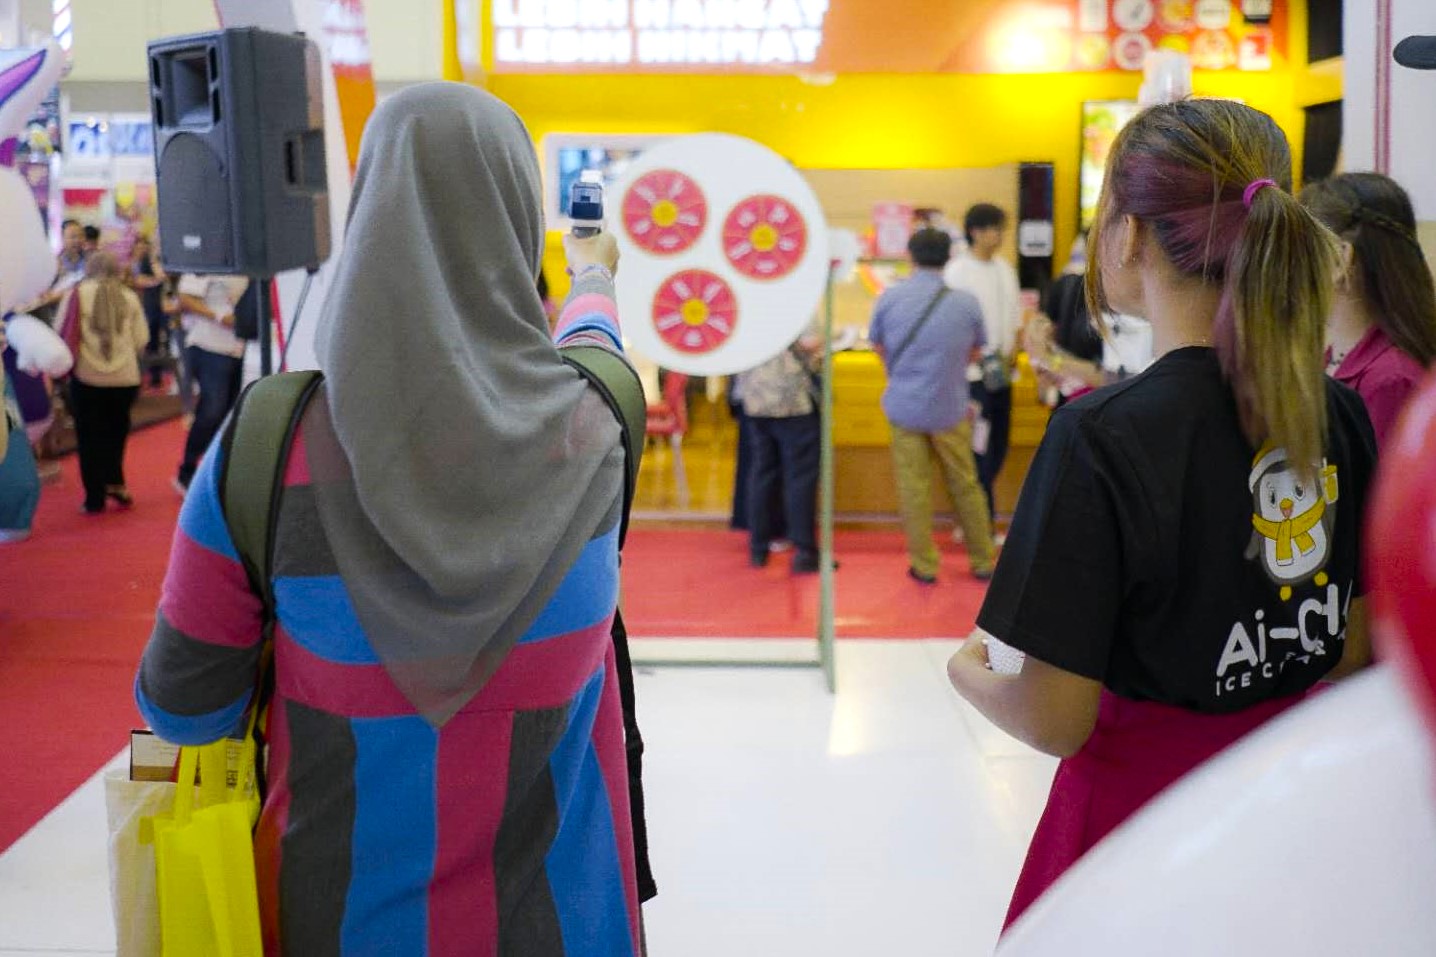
point(256, 456)
point(618, 383)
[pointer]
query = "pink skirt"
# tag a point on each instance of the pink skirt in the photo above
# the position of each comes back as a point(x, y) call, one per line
point(1136, 750)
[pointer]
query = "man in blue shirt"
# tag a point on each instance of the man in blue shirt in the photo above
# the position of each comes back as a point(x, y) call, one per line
point(926, 335)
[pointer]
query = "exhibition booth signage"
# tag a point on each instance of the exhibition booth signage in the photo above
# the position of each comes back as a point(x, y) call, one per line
point(870, 36)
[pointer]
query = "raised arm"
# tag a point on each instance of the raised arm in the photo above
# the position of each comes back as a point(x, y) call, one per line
point(198, 672)
point(590, 314)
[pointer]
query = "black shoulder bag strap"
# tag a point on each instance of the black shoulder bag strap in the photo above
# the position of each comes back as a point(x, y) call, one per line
point(615, 380)
point(892, 357)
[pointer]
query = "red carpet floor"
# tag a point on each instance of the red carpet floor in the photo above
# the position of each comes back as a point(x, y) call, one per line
point(77, 602)
point(692, 583)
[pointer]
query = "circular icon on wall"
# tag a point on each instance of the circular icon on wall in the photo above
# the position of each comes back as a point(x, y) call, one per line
point(1094, 51)
point(1213, 50)
point(695, 311)
point(1133, 14)
point(1130, 51)
point(1214, 14)
point(1176, 16)
point(764, 237)
point(664, 212)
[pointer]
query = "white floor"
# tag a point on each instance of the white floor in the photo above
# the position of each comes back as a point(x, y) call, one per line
point(888, 819)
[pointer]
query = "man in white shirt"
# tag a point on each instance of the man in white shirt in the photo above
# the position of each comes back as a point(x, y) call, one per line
point(993, 280)
point(215, 356)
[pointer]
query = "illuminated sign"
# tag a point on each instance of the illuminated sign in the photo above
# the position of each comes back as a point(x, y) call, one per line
point(876, 36)
point(651, 33)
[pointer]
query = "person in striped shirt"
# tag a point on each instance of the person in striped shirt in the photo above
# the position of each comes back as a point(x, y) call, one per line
point(447, 771)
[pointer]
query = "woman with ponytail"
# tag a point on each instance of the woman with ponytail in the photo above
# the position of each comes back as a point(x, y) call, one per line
point(1184, 561)
point(111, 331)
point(1381, 332)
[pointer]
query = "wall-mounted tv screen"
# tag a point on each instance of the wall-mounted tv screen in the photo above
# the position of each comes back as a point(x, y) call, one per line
point(568, 155)
point(1102, 120)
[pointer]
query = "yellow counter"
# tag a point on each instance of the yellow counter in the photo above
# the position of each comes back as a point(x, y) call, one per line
point(862, 464)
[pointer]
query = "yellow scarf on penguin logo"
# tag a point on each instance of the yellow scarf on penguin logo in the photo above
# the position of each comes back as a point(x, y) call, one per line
point(1298, 528)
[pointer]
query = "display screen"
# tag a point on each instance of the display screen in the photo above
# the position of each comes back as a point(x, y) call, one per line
point(1101, 122)
point(609, 163)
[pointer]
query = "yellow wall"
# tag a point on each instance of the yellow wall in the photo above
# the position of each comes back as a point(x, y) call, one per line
point(893, 120)
point(869, 121)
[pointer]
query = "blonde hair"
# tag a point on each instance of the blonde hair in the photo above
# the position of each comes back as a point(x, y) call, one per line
point(108, 313)
point(1188, 171)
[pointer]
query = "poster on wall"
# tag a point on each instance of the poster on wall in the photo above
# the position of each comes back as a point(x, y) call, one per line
point(862, 36)
point(725, 253)
point(1101, 122)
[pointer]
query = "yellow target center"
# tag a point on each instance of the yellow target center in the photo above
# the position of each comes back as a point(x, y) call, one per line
point(694, 312)
point(763, 238)
point(665, 213)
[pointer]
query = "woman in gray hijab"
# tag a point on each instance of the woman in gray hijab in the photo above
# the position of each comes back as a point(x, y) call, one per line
point(447, 770)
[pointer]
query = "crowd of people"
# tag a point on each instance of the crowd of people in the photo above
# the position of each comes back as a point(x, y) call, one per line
point(128, 326)
point(1184, 562)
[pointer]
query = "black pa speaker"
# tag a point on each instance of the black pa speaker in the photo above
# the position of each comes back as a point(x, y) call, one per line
point(239, 152)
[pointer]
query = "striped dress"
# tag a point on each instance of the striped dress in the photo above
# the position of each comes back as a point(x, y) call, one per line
point(506, 831)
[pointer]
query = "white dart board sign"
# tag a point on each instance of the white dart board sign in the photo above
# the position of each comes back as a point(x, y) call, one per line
point(725, 253)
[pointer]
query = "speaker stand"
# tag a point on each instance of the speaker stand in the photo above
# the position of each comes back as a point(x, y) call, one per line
point(266, 319)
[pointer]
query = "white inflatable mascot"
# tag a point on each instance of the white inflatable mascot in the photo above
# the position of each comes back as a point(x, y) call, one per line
point(27, 268)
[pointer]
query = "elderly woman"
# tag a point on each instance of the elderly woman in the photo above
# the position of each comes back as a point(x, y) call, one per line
point(110, 331)
point(447, 770)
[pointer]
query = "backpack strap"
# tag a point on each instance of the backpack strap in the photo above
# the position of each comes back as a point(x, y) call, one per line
point(256, 456)
point(614, 379)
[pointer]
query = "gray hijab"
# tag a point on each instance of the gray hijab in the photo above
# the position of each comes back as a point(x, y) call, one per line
point(459, 465)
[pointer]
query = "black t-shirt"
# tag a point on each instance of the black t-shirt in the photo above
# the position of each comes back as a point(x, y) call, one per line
point(1154, 550)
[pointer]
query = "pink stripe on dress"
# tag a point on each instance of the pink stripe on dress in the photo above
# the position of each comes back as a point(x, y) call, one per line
point(296, 471)
point(206, 597)
point(463, 892)
point(545, 674)
point(585, 305)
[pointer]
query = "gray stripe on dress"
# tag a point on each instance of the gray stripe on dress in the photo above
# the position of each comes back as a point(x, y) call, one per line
point(317, 848)
point(188, 677)
point(528, 918)
point(301, 549)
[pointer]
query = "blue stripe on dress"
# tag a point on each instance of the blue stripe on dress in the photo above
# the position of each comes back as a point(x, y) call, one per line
point(586, 596)
point(319, 615)
point(190, 730)
point(201, 518)
point(394, 842)
point(593, 322)
point(583, 865)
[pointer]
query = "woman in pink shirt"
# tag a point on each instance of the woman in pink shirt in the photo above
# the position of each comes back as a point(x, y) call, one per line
point(1382, 329)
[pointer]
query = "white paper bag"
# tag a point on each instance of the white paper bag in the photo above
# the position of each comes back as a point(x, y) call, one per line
point(132, 863)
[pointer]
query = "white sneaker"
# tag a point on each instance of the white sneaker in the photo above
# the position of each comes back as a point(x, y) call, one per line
point(957, 537)
point(999, 539)
point(780, 545)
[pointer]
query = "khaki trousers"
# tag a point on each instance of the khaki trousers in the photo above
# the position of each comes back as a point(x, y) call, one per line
point(912, 461)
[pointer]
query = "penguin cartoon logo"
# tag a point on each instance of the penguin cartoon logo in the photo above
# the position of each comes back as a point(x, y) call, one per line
point(1292, 519)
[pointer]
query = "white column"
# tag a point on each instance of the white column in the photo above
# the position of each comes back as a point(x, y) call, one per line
point(1390, 114)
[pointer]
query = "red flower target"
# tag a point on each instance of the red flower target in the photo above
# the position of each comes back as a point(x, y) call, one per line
point(695, 311)
point(765, 237)
point(664, 212)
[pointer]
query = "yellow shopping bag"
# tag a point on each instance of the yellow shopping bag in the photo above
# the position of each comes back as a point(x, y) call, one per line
point(204, 858)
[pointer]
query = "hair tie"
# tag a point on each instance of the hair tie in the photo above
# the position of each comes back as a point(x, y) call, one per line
point(1256, 186)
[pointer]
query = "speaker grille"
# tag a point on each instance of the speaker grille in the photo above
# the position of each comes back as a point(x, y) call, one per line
point(195, 226)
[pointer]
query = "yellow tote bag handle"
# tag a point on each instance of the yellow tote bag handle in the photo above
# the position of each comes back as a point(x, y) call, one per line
point(208, 895)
